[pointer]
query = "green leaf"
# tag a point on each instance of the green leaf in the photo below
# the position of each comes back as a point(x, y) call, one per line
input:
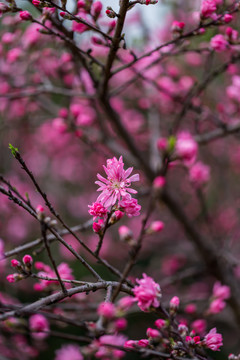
point(13, 150)
point(171, 143)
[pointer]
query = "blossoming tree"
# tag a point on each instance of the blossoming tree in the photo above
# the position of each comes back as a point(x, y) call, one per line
point(147, 264)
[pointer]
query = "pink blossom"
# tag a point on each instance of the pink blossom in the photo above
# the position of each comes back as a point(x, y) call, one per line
point(69, 352)
point(216, 306)
point(97, 210)
point(130, 206)
point(117, 185)
point(199, 326)
point(126, 303)
point(107, 310)
point(107, 352)
point(190, 309)
point(147, 293)
point(208, 7)
point(220, 291)
point(213, 340)
point(219, 43)
point(186, 148)
point(199, 174)
point(39, 326)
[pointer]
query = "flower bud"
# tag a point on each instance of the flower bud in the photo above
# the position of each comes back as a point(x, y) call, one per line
point(107, 310)
point(25, 15)
point(15, 263)
point(125, 233)
point(174, 303)
point(162, 144)
point(159, 182)
point(153, 333)
point(27, 260)
point(155, 227)
point(160, 323)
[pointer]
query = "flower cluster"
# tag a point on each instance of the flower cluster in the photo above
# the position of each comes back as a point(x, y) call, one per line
point(147, 293)
point(115, 194)
point(220, 293)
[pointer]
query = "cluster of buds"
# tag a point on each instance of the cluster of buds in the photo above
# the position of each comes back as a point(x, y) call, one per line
point(43, 218)
point(24, 268)
point(111, 318)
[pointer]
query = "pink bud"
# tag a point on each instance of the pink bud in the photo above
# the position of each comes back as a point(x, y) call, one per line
point(60, 125)
point(39, 326)
point(121, 324)
point(153, 333)
point(25, 15)
point(189, 339)
point(156, 226)
point(159, 323)
point(125, 233)
point(97, 226)
point(177, 26)
point(36, 2)
point(197, 339)
point(159, 182)
point(227, 18)
point(96, 40)
point(12, 278)
point(63, 113)
point(199, 326)
point(126, 303)
point(15, 263)
point(174, 303)
point(96, 8)
point(118, 214)
point(62, 13)
point(81, 4)
point(162, 144)
point(130, 344)
point(107, 310)
point(39, 209)
point(27, 260)
point(190, 309)
point(143, 343)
